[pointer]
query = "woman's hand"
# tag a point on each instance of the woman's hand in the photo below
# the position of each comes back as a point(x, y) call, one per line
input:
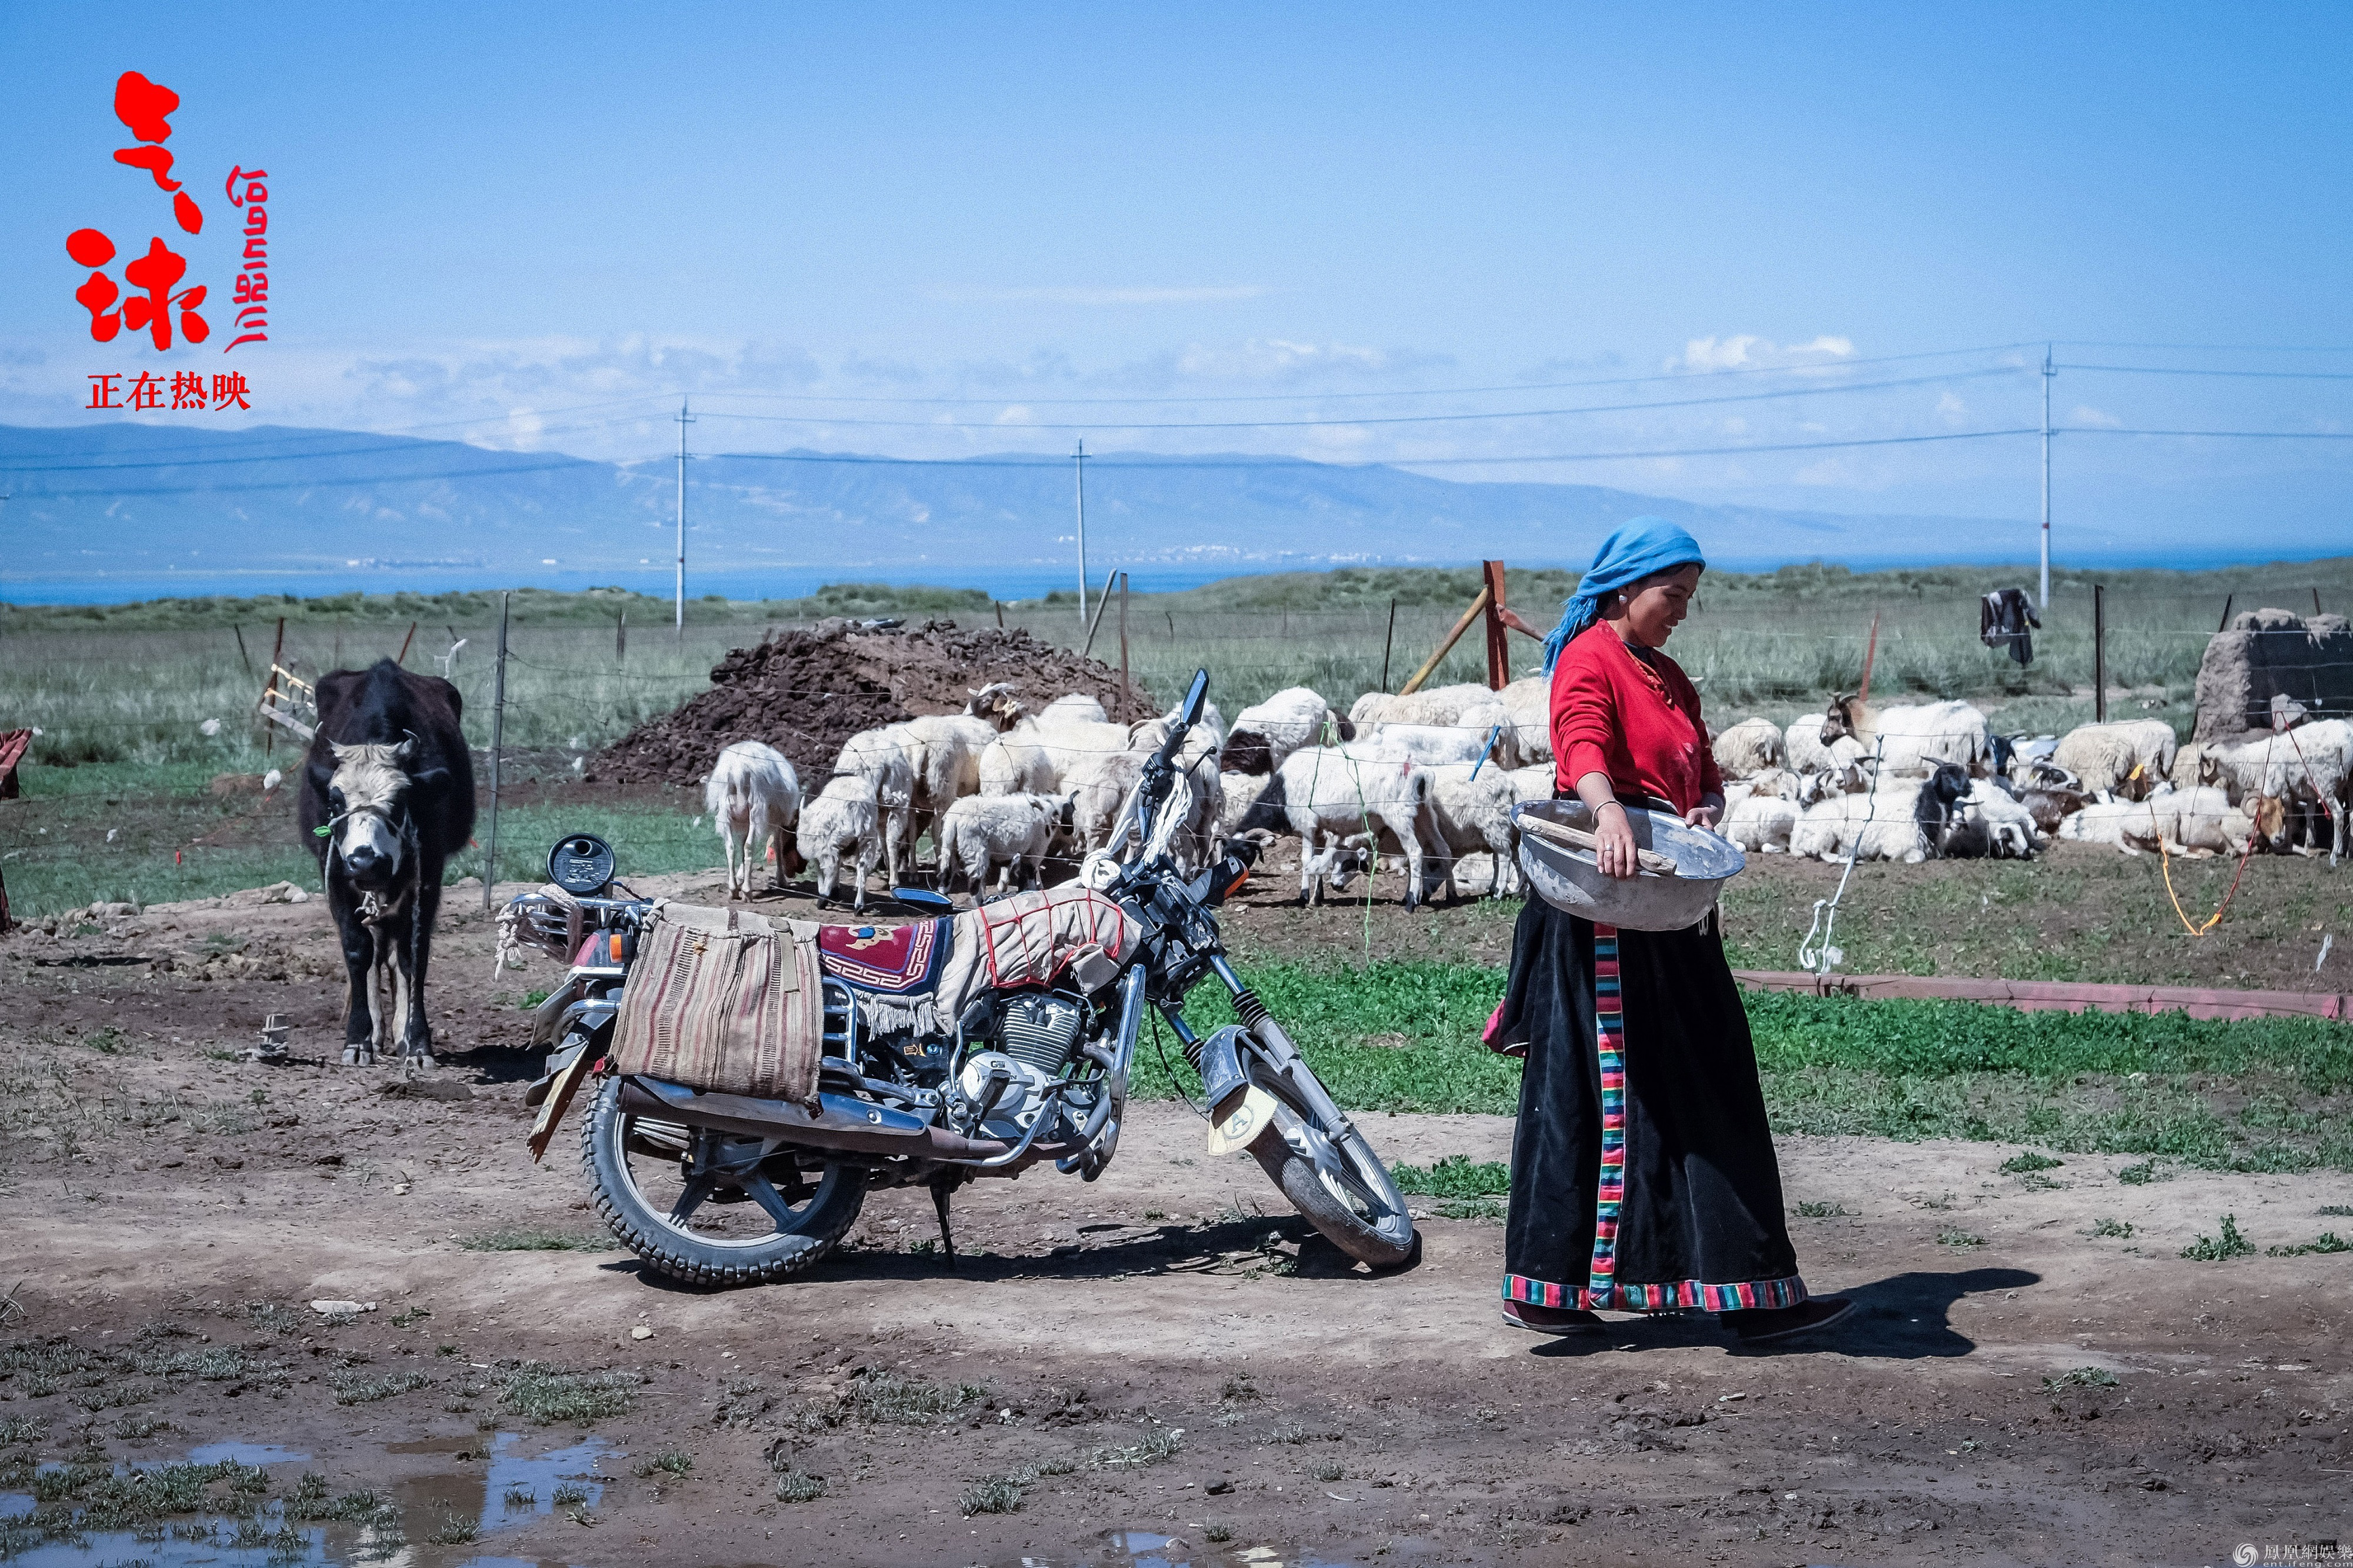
point(1706, 814)
point(1613, 842)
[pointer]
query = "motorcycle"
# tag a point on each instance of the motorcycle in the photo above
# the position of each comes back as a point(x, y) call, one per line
point(728, 1189)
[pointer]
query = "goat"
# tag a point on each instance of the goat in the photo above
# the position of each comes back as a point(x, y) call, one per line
point(1264, 733)
point(753, 795)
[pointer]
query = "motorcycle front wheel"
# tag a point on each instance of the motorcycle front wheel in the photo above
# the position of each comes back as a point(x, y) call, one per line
point(1336, 1181)
point(699, 1205)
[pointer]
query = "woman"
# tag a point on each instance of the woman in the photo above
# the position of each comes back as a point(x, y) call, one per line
point(1642, 1170)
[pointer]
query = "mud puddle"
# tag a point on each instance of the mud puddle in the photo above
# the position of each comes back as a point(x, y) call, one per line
point(441, 1516)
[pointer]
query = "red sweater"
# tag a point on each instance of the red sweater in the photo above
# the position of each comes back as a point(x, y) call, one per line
point(1637, 723)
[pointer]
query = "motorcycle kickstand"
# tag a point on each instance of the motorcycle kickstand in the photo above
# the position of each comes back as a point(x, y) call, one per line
point(941, 1186)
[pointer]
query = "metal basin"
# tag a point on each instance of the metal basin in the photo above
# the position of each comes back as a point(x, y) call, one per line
point(1569, 880)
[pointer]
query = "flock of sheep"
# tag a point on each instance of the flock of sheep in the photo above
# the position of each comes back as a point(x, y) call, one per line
point(1432, 776)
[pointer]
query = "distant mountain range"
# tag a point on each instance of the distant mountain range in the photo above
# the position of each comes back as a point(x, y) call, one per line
point(132, 499)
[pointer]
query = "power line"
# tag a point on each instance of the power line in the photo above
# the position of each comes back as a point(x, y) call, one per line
point(1391, 418)
point(2176, 369)
point(1017, 397)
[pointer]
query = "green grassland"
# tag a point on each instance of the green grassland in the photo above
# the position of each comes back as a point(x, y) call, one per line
point(2264, 1095)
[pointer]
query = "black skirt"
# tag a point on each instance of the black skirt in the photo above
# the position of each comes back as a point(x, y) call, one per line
point(1642, 1170)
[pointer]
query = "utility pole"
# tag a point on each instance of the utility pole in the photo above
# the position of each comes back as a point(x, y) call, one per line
point(1080, 467)
point(2047, 373)
point(685, 419)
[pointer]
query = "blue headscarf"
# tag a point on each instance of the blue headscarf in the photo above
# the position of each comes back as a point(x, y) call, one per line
point(1645, 545)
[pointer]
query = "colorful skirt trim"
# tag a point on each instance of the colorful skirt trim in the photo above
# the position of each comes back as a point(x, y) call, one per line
point(1748, 1295)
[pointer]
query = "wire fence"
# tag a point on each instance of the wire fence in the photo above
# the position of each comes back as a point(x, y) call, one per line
point(189, 696)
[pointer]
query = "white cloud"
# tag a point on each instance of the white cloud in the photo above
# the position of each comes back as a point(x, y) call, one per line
point(1275, 359)
point(2084, 414)
point(1748, 352)
point(1199, 294)
point(1951, 409)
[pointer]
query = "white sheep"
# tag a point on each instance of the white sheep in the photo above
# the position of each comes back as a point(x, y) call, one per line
point(1528, 700)
point(1035, 758)
point(2198, 822)
point(753, 795)
point(1760, 823)
point(1837, 765)
point(1436, 705)
point(1100, 787)
point(1443, 744)
point(1265, 734)
point(2311, 763)
point(1880, 820)
point(2117, 759)
point(844, 818)
point(1910, 741)
point(1073, 707)
point(1749, 747)
point(1989, 823)
point(1474, 815)
point(1017, 831)
point(1536, 782)
point(889, 759)
point(1329, 793)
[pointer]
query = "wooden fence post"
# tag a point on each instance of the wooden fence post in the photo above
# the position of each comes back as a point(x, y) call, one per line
point(1499, 657)
point(1387, 643)
point(403, 659)
point(1478, 608)
point(277, 657)
point(2224, 623)
point(243, 658)
point(621, 638)
point(1123, 692)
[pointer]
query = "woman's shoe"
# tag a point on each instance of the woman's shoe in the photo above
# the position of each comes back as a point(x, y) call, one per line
point(1782, 1322)
point(1550, 1320)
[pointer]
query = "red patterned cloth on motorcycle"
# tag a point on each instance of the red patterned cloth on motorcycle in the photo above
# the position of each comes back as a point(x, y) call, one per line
point(724, 1001)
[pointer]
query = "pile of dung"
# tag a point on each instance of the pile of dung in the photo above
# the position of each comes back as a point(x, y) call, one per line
point(806, 692)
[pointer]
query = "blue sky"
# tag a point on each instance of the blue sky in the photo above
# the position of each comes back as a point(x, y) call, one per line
point(487, 217)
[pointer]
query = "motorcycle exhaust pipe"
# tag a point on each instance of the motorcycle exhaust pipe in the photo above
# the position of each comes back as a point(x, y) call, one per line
point(839, 1122)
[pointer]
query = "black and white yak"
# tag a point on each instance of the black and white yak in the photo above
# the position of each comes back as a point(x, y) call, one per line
point(388, 797)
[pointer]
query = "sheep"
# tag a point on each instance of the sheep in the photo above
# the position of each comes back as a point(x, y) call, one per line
point(1911, 741)
point(1264, 733)
point(1437, 705)
point(1439, 744)
point(1329, 792)
point(944, 764)
point(1100, 787)
point(2312, 763)
point(1877, 825)
point(2198, 821)
point(1838, 765)
point(753, 795)
point(1073, 707)
point(2128, 760)
point(1018, 830)
point(1536, 782)
point(1749, 747)
point(1761, 823)
point(889, 759)
point(1035, 758)
point(1528, 700)
point(1992, 824)
point(1475, 814)
point(846, 816)
point(1778, 783)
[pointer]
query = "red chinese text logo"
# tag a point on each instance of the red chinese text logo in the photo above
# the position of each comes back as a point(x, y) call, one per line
point(144, 106)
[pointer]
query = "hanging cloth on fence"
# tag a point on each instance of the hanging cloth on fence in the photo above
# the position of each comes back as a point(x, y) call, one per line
point(2005, 618)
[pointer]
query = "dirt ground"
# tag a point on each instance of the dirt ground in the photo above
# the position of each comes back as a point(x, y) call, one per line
point(2012, 1388)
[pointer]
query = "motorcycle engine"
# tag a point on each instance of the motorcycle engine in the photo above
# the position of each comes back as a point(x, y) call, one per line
point(1036, 1035)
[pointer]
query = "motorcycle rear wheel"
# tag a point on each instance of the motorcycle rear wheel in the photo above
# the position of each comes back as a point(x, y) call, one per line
point(709, 1231)
point(1359, 1209)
